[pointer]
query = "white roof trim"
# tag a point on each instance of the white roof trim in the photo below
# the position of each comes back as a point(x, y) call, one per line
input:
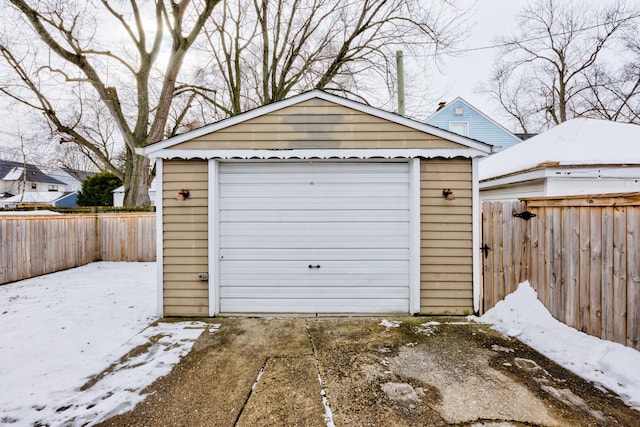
point(523, 177)
point(316, 154)
point(260, 111)
point(459, 98)
point(563, 172)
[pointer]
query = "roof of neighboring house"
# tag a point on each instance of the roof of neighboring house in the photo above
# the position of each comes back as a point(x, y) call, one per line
point(77, 174)
point(481, 126)
point(35, 197)
point(577, 142)
point(28, 213)
point(525, 136)
point(14, 171)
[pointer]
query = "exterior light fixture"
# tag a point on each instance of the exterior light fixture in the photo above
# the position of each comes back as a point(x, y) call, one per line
point(183, 195)
point(448, 194)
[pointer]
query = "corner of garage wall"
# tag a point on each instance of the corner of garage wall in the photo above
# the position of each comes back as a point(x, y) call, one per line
point(446, 258)
point(185, 233)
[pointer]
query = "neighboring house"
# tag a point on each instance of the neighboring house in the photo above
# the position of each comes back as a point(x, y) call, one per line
point(71, 177)
point(463, 118)
point(580, 156)
point(17, 178)
point(118, 194)
point(317, 204)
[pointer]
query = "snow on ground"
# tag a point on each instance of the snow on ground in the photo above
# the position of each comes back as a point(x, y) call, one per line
point(63, 329)
point(602, 362)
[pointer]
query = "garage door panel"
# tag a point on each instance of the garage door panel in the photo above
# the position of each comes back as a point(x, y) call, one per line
point(313, 305)
point(311, 189)
point(316, 215)
point(305, 179)
point(306, 254)
point(314, 228)
point(327, 282)
point(304, 203)
point(302, 292)
point(314, 242)
point(302, 269)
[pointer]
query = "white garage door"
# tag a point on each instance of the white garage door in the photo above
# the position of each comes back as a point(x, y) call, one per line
point(314, 237)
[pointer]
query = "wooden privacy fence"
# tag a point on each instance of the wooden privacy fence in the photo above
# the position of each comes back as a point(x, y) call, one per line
point(35, 245)
point(581, 255)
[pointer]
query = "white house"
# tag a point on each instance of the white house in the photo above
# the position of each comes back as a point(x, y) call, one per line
point(71, 177)
point(580, 156)
point(23, 183)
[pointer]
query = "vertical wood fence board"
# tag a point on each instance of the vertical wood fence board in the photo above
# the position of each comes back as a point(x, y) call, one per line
point(619, 274)
point(595, 272)
point(497, 254)
point(506, 264)
point(633, 279)
point(583, 297)
point(607, 273)
point(486, 266)
point(532, 273)
point(571, 265)
point(550, 256)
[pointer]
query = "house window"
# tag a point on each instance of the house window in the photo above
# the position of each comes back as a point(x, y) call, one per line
point(53, 188)
point(34, 186)
point(461, 128)
point(458, 111)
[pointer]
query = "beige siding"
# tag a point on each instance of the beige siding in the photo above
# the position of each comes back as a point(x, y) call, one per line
point(446, 274)
point(316, 124)
point(185, 238)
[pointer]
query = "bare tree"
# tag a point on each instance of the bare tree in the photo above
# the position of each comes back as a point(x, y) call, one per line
point(65, 56)
point(614, 94)
point(547, 73)
point(263, 51)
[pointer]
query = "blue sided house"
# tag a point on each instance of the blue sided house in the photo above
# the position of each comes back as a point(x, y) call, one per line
point(464, 119)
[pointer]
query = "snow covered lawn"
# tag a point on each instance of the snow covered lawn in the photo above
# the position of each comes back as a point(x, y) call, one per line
point(602, 362)
point(61, 330)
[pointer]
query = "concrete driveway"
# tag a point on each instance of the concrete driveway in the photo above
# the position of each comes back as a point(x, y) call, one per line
point(369, 372)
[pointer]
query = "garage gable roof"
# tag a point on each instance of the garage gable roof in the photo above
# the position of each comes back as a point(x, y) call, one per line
point(464, 146)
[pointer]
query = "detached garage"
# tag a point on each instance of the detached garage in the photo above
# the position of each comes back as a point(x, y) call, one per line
point(317, 204)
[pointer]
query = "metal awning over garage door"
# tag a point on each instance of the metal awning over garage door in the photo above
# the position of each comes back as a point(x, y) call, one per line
point(314, 237)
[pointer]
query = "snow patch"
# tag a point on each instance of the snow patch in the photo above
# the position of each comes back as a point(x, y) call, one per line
point(68, 339)
point(605, 363)
point(390, 323)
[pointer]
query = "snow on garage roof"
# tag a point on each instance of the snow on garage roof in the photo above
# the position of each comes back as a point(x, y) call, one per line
point(580, 141)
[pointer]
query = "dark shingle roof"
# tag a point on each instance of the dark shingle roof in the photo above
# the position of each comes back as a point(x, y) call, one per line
point(11, 171)
point(79, 175)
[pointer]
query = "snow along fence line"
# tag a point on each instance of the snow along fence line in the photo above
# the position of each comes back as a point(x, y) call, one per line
point(580, 254)
point(34, 245)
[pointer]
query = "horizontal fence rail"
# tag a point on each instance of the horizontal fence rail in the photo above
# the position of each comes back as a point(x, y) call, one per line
point(581, 255)
point(34, 245)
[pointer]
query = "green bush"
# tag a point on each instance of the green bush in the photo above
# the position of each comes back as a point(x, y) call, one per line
point(96, 190)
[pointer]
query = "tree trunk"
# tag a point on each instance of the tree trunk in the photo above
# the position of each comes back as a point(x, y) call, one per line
point(137, 180)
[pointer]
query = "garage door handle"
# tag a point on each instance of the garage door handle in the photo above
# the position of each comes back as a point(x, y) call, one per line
point(314, 266)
